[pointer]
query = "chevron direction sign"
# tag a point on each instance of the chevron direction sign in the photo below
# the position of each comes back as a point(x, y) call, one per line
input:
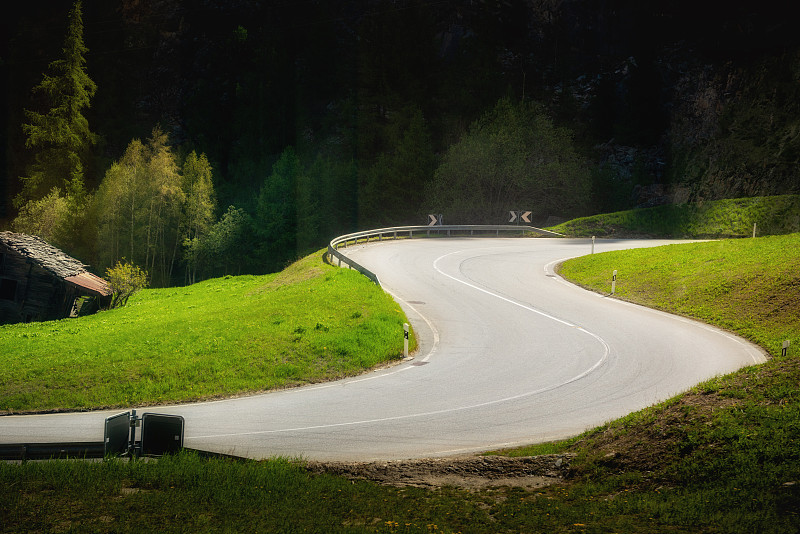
point(435, 219)
point(519, 216)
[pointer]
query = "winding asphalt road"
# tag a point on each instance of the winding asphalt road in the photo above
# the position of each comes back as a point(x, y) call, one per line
point(509, 354)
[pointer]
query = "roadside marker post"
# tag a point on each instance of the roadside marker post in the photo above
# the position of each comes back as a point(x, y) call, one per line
point(405, 340)
point(754, 229)
point(614, 282)
point(785, 348)
point(592, 244)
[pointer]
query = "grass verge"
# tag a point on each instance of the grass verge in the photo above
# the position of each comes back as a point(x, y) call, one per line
point(774, 215)
point(312, 322)
point(724, 457)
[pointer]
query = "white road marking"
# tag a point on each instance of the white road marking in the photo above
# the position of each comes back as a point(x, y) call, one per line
point(597, 364)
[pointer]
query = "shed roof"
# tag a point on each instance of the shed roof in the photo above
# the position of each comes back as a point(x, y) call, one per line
point(55, 261)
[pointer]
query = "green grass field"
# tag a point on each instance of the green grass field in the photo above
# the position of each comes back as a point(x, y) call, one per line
point(723, 457)
point(722, 218)
point(312, 322)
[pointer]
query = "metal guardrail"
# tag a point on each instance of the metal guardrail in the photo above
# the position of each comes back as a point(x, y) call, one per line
point(46, 451)
point(407, 232)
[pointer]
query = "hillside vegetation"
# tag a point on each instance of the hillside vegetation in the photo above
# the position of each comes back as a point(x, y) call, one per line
point(722, 218)
point(723, 457)
point(312, 322)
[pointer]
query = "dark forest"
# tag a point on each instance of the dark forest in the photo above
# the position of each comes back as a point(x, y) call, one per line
point(252, 132)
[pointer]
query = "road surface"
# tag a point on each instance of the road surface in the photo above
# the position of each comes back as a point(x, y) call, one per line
point(509, 354)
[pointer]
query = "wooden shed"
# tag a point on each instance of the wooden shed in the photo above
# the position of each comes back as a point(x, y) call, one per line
point(39, 282)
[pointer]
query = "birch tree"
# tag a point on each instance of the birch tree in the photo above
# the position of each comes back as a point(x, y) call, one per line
point(140, 206)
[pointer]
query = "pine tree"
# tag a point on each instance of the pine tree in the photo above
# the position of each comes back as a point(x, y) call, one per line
point(60, 136)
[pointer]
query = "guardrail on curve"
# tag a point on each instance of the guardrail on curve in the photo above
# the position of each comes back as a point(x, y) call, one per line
point(409, 231)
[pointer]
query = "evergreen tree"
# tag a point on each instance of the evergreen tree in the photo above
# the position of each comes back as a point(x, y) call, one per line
point(394, 185)
point(276, 216)
point(60, 136)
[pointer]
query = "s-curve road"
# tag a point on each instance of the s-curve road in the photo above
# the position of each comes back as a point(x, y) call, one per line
point(510, 354)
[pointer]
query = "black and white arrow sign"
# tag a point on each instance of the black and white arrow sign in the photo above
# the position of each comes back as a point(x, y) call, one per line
point(519, 216)
point(434, 219)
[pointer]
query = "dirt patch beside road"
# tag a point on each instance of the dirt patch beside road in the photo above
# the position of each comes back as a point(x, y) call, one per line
point(471, 472)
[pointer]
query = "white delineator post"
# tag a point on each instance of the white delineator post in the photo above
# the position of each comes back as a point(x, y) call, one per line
point(405, 340)
point(614, 282)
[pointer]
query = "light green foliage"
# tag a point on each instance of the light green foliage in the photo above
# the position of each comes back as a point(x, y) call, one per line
point(45, 218)
point(512, 158)
point(146, 208)
point(60, 136)
point(198, 209)
point(311, 322)
point(721, 218)
point(125, 279)
point(200, 198)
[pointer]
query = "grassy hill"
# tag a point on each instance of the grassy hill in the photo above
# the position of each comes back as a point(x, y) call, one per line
point(723, 457)
point(312, 322)
point(726, 455)
point(722, 218)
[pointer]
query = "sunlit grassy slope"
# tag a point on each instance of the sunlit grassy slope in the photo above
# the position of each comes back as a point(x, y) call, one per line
point(751, 286)
point(723, 218)
point(309, 323)
point(724, 456)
